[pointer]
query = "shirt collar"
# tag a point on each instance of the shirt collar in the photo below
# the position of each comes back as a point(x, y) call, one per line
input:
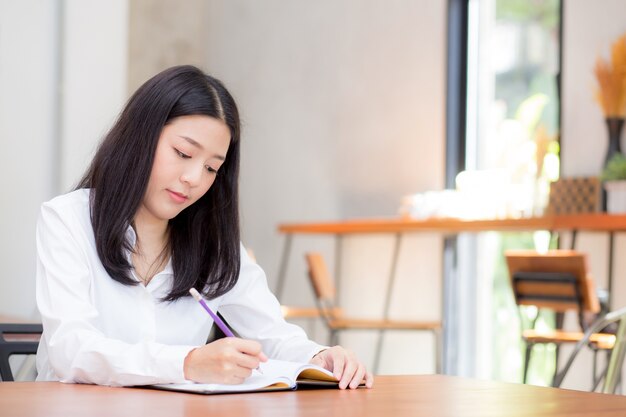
point(169, 269)
point(131, 238)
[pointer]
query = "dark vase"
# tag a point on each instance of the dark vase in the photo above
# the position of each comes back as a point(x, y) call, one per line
point(614, 126)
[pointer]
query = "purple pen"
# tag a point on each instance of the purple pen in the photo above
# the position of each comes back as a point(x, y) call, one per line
point(223, 327)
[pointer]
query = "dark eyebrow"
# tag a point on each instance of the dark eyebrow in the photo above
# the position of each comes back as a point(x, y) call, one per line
point(198, 145)
point(192, 141)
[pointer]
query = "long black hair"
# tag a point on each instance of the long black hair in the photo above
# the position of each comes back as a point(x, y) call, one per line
point(203, 238)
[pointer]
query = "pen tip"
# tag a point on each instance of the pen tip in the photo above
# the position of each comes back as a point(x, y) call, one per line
point(195, 294)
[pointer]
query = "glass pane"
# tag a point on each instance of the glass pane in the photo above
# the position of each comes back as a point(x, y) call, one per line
point(512, 137)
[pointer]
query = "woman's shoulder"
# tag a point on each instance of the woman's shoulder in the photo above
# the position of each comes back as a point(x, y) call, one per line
point(73, 204)
point(73, 198)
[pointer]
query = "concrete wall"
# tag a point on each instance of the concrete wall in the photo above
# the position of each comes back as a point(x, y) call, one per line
point(589, 30)
point(165, 33)
point(343, 113)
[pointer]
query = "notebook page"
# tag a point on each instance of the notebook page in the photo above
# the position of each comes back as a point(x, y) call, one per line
point(254, 383)
point(276, 375)
point(295, 370)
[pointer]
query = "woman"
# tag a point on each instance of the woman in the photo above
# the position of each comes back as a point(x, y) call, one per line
point(155, 215)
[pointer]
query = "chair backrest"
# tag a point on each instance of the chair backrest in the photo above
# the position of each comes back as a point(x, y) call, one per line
point(17, 339)
point(321, 281)
point(557, 279)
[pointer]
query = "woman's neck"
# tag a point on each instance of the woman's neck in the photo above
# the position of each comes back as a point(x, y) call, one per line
point(151, 232)
point(151, 249)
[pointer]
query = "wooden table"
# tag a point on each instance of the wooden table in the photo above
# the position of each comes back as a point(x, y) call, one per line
point(396, 396)
point(448, 227)
point(593, 222)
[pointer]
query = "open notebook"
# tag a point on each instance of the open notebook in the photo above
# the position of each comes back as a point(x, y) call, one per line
point(277, 375)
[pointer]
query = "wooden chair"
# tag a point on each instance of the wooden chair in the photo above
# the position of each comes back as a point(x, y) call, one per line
point(557, 280)
point(336, 321)
point(292, 312)
point(17, 339)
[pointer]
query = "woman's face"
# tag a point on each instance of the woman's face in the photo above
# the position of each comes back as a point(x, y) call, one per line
point(188, 157)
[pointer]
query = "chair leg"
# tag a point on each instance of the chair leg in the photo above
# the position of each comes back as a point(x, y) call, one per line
point(594, 370)
point(333, 339)
point(603, 374)
point(556, 363)
point(379, 346)
point(529, 350)
point(618, 388)
point(437, 341)
point(6, 374)
point(616, 361)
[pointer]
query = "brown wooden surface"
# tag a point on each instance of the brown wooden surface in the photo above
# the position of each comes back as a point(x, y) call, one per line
point(21, 337)
point(291, 312)
point(18, 337)
point(320, 277)
point(13, 319)
point(373, 324)
point(601, 340)
point(591, 222)
point(397, 396)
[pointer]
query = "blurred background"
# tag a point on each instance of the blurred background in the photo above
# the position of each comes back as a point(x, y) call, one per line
point(348, 107)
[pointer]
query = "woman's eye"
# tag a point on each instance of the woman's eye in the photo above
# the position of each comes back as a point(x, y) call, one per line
point(182, 155)
point(208, 168)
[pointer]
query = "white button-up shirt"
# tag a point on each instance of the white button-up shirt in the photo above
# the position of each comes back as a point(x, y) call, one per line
point(97, 330)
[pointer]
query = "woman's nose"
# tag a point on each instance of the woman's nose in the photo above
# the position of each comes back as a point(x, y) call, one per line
point(192, 174)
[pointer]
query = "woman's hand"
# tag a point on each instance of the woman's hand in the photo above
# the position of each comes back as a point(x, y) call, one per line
point(226, 361)
point(345, 366)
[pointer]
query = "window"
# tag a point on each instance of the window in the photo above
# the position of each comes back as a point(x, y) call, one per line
point(510, 148)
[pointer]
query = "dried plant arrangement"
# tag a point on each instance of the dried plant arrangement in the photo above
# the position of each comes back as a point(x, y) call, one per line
point(611, 77)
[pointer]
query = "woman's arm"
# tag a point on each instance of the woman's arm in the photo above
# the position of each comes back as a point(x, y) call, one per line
point(254, 313)
point(75, 346)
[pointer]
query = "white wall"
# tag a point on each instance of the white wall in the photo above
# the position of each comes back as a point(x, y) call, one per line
point(95, 45)
point(47, 138)
point(588, 32)
point(27, 132)
point(343, 113)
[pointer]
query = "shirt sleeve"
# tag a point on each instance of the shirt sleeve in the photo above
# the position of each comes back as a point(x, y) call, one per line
point(254, 313)
point(77, 348)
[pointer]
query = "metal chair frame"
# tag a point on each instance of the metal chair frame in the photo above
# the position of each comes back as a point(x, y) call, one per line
point(16, 339)
point(612, 373)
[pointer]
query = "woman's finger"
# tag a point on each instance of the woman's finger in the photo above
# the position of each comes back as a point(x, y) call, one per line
point(358, 376)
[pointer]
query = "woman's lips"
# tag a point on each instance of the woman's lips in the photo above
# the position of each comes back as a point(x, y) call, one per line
point(177, 197)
